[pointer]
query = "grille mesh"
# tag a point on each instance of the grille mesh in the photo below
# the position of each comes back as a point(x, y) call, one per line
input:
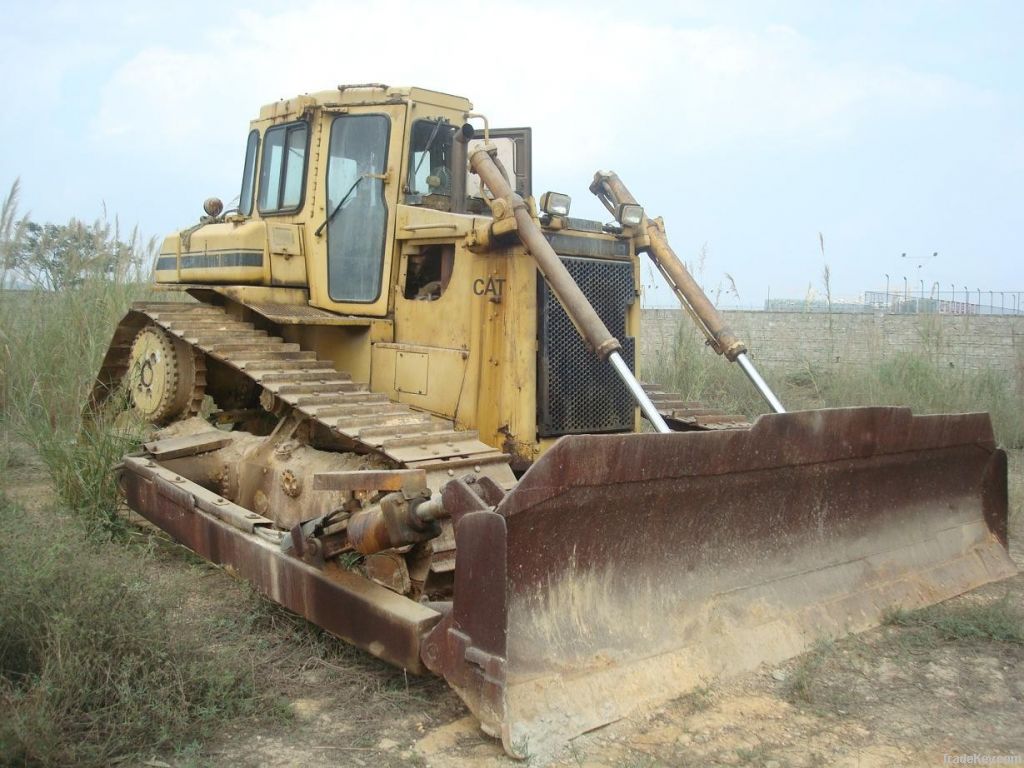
point(576, 392)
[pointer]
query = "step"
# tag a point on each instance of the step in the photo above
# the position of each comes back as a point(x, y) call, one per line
point(209, 345)
point(674, 405)
point(226, 324)
point(209, 339)
point(272, 353)
point(338, 412)
point(460, 466)
point(723, 418)
point(435, 445)
point(182, 310)
point(688, 413)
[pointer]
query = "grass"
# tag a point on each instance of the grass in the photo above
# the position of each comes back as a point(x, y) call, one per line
point(758, 755)
point(914, 378)
point(96, 664)
point(800, 686)
point(690, 368)
point(51, 346)
point(998, 622)
point(101, 659)
point(697, 700)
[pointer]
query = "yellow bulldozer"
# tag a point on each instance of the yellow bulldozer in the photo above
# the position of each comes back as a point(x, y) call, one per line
point(428, 436)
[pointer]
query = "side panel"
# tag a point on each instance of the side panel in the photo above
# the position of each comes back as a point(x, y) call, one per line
point(431, 378)
point(226, 252)
point(284, 244)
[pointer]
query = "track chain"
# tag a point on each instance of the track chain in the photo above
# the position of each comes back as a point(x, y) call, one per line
point(313, 387)
point(690, 415)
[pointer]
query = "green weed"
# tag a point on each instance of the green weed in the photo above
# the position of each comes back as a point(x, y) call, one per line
point(997, 621)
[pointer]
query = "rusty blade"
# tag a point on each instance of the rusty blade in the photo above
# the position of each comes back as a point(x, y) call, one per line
point(344, 603)
point(636, 566)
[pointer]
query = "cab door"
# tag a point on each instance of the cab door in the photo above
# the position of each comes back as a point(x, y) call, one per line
point(352, 246)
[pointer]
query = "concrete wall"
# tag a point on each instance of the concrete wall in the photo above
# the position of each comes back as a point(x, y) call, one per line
point(791, 340)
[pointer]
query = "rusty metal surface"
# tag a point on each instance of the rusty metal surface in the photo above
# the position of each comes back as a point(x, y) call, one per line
point(639, 565)
point(690, 415)
point(344, 603)
point(370, 480)
point(187, 445)
point(468, 646)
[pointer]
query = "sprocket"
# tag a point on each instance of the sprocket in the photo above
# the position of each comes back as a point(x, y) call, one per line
point(164, 376)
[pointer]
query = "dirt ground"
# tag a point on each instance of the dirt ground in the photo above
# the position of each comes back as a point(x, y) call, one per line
point(891, 696)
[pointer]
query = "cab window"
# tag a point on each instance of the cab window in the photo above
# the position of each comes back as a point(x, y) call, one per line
point(283, 168)
point(357, 214)
point(249, 174)
point(430, 148)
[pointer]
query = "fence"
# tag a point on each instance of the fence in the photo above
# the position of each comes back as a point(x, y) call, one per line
point(952, 302)
point(963, 302)
point(794, 340)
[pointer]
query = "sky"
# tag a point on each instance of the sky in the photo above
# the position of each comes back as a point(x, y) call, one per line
point(775, 138)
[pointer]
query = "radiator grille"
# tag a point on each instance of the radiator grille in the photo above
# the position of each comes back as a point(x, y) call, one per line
point(576, 392)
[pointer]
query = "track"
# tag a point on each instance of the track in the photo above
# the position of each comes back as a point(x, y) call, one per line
point(690, 415)
point(289, 375)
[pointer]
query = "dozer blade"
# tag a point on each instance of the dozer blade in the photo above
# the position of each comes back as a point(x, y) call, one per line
point(626, 569)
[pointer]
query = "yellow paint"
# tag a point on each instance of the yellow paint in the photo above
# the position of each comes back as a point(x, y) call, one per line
point(429, 378)
point(466, 352)
point(287, 264)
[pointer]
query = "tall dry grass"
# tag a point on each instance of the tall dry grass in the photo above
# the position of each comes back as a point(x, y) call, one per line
point(51, 345)
point(913, 378)
point(100, 662)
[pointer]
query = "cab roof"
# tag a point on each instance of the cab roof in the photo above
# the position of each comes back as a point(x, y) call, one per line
point(362, 94)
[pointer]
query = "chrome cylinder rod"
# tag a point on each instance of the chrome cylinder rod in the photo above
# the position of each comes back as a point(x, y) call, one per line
point(638, 392)
point(759, 383)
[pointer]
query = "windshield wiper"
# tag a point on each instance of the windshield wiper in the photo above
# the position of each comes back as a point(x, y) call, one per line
point(338, 206)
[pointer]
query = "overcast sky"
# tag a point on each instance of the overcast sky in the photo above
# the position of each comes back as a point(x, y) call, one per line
point(889, 127)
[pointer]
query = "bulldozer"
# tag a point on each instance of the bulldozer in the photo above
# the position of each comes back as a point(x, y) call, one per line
point(401, 395)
